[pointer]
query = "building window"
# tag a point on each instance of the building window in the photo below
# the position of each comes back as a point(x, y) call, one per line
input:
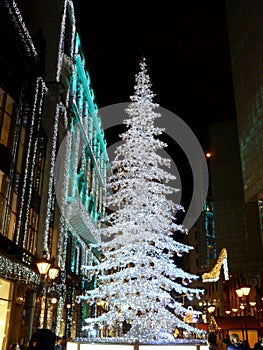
point(12, 215)
point(8, 209)
point(39, 167)
point(3, 188)
point(21, 147)
point(32, 231)
point(7, 106)
point(6, 295)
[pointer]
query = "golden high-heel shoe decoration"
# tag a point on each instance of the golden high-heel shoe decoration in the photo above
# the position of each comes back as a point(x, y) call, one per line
point(214, 274)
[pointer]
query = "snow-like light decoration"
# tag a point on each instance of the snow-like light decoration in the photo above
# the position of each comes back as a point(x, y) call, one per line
point(214, 274)
point(63, 231)
point(67, 4)
point(62, 246)
point(19, 273)
point(21, 27)
point(36, 116)
point(137, 276)
point(40, 90)
point(52, 151)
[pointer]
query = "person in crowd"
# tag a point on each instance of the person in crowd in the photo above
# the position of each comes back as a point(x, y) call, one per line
point(235, 343)
point(59, 343)
point(259, 344)
point(43, 339)
point(227, 339)
point(64, 342)
point(212, 341)
point(14, 347)
point(245, 345)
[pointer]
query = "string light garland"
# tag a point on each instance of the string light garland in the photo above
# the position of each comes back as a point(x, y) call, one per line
point(17, 272)
point(214, 274)
point(79, 141)
point(21, 28)
point(68, 6)
point(40, 89)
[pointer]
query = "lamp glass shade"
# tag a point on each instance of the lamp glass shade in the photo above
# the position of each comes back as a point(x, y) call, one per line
point(43, 267)
point(53, 272)
point(211, 309)
point(240, 292)
point(246, 290)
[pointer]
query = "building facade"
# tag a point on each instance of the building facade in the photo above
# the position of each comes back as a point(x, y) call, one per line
point(53, 170)
point(236, 167)
point(245, 41)
point(236, 222)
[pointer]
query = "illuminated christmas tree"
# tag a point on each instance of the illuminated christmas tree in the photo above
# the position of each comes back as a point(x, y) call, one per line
point(138, 281)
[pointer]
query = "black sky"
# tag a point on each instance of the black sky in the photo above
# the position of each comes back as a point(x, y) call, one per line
point(186, 48)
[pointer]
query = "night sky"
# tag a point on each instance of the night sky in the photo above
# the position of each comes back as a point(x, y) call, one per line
point(185, 45)
point(186, 49)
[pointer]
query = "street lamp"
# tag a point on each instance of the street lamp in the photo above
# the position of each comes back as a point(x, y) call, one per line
point(210, 310)
point(243, 293)
point(49, 272)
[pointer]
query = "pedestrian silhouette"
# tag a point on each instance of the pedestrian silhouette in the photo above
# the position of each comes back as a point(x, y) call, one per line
point(42, 339)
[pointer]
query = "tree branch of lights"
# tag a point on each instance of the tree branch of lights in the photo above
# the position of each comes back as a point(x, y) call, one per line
point(138, 279)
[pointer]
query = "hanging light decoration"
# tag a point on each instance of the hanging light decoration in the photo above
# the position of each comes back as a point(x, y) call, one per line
point(214, 274)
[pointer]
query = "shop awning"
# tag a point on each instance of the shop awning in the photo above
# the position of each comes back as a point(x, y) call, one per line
point(238, 322)
point(203, 326)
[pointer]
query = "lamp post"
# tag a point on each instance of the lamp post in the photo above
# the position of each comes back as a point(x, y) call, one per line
point(49, 272)
point(243, 293)
point(210, 310)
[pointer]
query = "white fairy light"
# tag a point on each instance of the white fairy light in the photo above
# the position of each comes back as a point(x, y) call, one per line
point(21, 28)
point(40, 89)
point(18, 273)
point(36, 115)
point(51, 179)
point(137, 275)
point(67, 4)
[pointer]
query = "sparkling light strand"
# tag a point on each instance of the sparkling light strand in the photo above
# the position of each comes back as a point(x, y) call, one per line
point(67, 3)
point(18, 273)
point(60, 311)
point(21, 28)
point(63, 228)
point(51, 179)
point(38, 101)
point(29, 169)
